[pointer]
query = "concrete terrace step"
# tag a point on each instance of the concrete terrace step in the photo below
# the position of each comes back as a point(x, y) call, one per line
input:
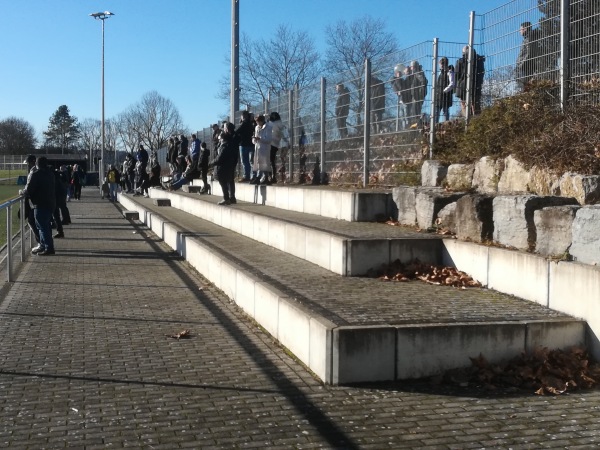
point(349, 330)
point(352, 205)
point(345, 248)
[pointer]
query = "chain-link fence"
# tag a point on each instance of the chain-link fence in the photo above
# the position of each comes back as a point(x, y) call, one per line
point(373, 124)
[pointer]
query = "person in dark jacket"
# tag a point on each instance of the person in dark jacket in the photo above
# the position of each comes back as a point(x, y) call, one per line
point(142, 178)
point(28, 210)
point(41, 191)
point(528, 60)
point(225, 163)
point(377, 103)
point(342, 109)
point(172, 153)
point(60, 186)
point(245, 132)
point(203, 164)
point(444, 89)
point(183, 146)
point(418, 88)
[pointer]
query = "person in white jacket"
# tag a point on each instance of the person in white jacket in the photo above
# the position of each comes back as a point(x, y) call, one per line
point(279, 134)
point(262, 141)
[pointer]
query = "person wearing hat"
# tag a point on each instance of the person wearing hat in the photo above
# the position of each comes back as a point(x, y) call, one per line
point(40, 190)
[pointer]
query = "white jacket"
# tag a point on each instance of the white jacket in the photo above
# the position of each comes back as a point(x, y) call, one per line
point(279, 132)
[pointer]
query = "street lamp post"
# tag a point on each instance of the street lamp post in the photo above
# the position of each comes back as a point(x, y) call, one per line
point(102, 16)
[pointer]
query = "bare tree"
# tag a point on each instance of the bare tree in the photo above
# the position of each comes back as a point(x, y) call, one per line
point(274, 65)
point(90, 136)
point(17, 137)
point(349, 44)
point(152, 121)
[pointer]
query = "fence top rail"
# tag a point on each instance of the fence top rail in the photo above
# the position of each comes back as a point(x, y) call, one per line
point(10, 202)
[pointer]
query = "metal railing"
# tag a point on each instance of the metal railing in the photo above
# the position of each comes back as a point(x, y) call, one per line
point(13, 240)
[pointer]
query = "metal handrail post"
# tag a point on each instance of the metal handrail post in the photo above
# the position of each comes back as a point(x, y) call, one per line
point(22, 226)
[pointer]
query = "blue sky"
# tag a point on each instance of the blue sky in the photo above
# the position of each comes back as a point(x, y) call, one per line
point(50, 51)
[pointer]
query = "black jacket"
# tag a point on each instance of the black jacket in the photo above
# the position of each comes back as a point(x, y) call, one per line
point(40, 188)
point(228, 156)
point(245, 131)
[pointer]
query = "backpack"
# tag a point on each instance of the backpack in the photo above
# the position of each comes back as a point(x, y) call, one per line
point(112, 177)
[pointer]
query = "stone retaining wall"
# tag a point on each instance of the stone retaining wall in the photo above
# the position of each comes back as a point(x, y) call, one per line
point(500, 201)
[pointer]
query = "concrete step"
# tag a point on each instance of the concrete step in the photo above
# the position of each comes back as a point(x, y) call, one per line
point(349, 330)
point(352, 205)
point(345, 248)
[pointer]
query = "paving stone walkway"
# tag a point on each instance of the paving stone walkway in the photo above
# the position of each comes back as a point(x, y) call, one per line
point(86, 364)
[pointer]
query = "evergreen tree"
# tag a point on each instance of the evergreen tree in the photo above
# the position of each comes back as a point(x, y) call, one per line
point(62, 130)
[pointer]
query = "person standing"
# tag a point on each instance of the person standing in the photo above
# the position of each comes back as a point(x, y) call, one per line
point(444, 90)
point(41, 191)
point(377, 103)
point(471, 78)
point(60, 186)
point(183, 146)
point(342, 109)
point(528, 59)
point(278, 134)
point(141, 172)
point(203, 164)
point(28, 210)
point(418, 88)
point(172, 153)
point(262, 141)
point(225, 163)
point(113, 178)
point(244, 133)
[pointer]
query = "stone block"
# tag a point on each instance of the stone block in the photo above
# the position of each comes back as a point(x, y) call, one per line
point(544, 182)
point(162, 201)
point(404, 198)
point(446, 218)
point(475, 218)
point(191, 189)
point(584, 188)
point(553, 226)
point(430, 201)
point(433, 173)
point(131, 215)
point(486, 175)
point(459, 177)
point(513, 218)
point(514, 178)
point(586, 239)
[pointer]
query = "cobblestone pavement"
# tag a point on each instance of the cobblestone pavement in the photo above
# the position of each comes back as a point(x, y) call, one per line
point(86, 364)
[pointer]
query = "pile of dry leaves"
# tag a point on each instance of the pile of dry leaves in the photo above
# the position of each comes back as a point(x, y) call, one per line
point(416, 270)
point(543, 371)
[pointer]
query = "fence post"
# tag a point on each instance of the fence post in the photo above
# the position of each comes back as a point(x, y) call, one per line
point(323, 126)
point(564, 71)
point(471, 63)
point(367, 123)
point(9, 244)
point(432, 114)
point(291, 135)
